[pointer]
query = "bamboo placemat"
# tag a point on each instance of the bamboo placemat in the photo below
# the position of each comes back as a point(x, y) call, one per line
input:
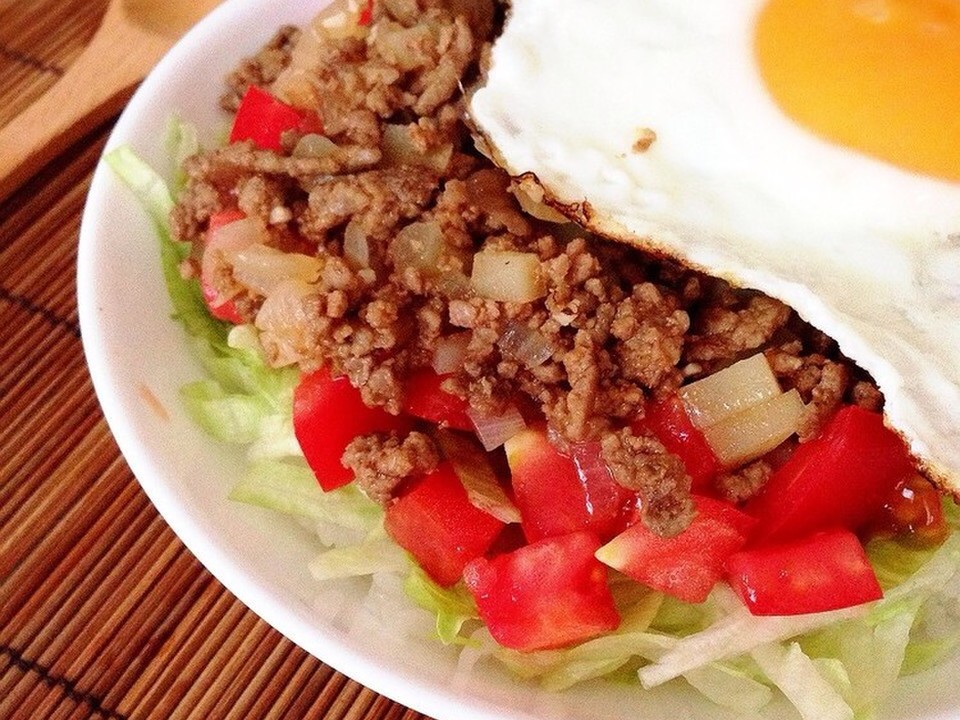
point(103, 612)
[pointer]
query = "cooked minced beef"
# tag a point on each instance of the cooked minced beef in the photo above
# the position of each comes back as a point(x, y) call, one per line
point(642, 464)
point(614, 327)
point(743, 483)
point(381, 462)
point(261, 69)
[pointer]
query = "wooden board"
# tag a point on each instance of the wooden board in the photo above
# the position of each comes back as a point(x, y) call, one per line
point(103, 612)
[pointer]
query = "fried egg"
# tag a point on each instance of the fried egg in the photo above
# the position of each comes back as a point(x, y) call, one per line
point(808, 149)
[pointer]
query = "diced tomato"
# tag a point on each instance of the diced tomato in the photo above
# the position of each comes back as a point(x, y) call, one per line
point(839, 479)
point(557, 494)
point(366, 14)
point(224, 217)
point(544, 595)
point(263, 119)
point(726, 513)
point(427, 400)
point(687, 565)
point(328, 413)
point(221, 309)
point(225, 310)
point(824, 571)
point(436, 523)
point(913, 512)
point(668, 421)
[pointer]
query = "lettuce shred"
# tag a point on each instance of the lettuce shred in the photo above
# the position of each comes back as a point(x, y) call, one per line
point(837, 665)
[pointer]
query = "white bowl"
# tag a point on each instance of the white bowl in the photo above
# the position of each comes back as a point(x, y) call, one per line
point(134, 350)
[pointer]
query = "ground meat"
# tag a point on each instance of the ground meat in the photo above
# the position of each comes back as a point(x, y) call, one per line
point(642, 464)
point(582, 366)
point(261, 69)
point(821, 382)
point(224, 165)
point(866, 395)
point(377, 201)
point(651, 333)
point(742, 484)
point(732, 325)
point(825, 399)
point(433, 53)
point(614, 329)
point(195, 206)
point(382, 462)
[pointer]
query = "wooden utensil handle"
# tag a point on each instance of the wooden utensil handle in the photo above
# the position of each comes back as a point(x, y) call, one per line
point(94, 87)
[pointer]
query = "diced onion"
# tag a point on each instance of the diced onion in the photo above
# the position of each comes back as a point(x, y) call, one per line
point(296, 83)
point(418, 245)
point(475, 472)
point(296, 86)
point(400, 149)
point(450, 353)
point(341, 23)
point(730, 391)
point(356, 245)
point(261, 268)
point(507, 276)
point(227, 238)
point(313, 145)
point(754, 432)
point(525, 345)
point(453, 285)
point(281, 319)
point(529, 195)
point(495, 430)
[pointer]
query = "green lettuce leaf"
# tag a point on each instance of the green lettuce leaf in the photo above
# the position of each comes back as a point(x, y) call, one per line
point(376, 553)
point(289, 486)
point(453, 606)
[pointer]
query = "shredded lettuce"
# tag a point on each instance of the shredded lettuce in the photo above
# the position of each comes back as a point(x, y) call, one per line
point(453, 607)
point(799, 679)
point(730, 687)
point(735, 633)
point(376, 553)
point(182, 141)
point(290, 487)
point(186, 297)
point(838, 665)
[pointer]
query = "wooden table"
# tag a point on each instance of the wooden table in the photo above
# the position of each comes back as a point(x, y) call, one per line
point(103, 612)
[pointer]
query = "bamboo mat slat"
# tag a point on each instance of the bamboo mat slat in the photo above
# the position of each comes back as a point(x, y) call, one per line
point(103, 611)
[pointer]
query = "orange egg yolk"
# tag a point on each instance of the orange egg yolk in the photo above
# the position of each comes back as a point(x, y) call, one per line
point(881, 77)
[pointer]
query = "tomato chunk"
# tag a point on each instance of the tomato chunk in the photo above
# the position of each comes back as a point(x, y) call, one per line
point(328, 413)
point(263, 119)
point(839, 479)
point(366, 14)
point(427, 400)
point(557, 494)
point(688, 565)
point(668, 421)
point(436, 523)
point(825, 571)
point(544, 595)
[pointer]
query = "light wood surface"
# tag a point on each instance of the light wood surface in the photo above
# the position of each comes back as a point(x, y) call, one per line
point(133, 36)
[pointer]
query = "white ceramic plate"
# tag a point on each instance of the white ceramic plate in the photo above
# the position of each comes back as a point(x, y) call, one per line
point(134, 350)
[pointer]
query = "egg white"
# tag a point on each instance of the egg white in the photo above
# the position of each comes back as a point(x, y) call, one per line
point(860, 248)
